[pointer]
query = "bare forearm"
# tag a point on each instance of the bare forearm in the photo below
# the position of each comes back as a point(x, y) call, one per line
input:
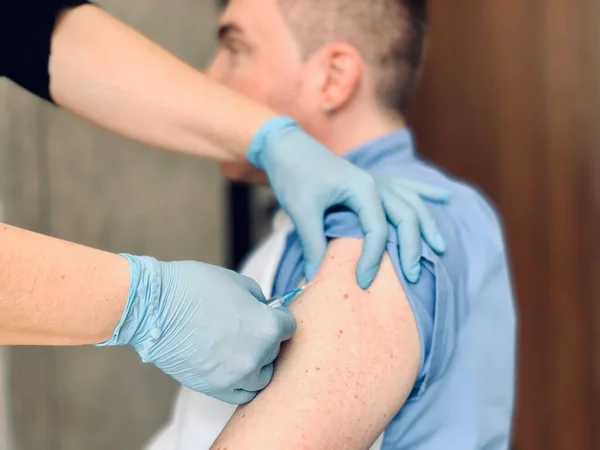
point(57, 293)
point(113, 76)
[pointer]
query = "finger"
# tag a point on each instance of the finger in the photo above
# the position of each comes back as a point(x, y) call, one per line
point(426, 221)
point(367, 205)
point(286, 323)
point(425, 190)
point(273, 356)
point(237, 397)
point(259, 380)
point(253, 287)
point(404, 218)
point(309, 226)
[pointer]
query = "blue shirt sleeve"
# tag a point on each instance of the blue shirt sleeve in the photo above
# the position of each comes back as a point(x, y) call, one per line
point(428, 297)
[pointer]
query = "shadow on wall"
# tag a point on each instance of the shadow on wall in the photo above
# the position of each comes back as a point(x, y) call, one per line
point(5, 428)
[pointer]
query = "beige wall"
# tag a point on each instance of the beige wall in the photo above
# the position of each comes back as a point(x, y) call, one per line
point(64, 177)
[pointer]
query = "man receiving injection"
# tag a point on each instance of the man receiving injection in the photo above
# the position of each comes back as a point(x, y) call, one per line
point(421, 366)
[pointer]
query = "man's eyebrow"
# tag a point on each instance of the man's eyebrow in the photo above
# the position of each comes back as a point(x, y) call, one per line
point(228, 28)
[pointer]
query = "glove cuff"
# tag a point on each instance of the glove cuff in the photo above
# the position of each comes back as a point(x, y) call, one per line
point(142, 305)
point(260, 143)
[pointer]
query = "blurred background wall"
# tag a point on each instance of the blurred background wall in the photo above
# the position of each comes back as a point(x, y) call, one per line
point(510, 100)
point(63, 177)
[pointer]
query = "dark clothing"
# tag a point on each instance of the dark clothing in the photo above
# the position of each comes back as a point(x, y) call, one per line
point(25, 32)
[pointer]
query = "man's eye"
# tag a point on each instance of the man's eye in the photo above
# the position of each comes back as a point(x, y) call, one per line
point(233, 48)
point(233, 51)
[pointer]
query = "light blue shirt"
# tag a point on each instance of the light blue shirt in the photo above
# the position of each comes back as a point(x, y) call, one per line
point(463, 304)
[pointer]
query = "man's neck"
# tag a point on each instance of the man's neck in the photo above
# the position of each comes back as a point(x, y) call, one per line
point(347, 133)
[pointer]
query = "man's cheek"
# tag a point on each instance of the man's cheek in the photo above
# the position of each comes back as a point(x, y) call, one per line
point(284, 97)
point(250, 85)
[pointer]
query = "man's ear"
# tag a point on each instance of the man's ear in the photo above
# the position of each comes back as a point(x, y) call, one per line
point(342, 69)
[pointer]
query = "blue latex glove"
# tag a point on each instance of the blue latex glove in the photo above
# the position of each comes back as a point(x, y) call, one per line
point(205, 326)
point(308, 179)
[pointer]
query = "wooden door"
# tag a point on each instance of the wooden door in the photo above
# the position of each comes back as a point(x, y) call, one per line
point(510, 100)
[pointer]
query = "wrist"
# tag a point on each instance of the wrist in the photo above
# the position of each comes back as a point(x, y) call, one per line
point(262, 142)
point(141, 309)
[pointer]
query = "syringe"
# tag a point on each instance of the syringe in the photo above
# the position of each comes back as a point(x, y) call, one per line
point(284, 300)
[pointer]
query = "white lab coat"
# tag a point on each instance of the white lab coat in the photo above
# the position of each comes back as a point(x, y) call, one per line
point(197, 419)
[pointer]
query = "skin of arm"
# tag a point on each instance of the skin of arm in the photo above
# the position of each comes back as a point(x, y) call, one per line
point(346, 372)
point(110, 74)
point(54, 292)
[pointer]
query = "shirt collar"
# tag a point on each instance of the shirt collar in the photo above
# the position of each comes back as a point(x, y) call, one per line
point(397, 146)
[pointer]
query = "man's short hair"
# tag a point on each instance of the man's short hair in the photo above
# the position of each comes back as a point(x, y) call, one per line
point(389, 34)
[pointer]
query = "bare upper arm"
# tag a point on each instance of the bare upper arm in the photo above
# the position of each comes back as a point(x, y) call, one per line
point(347, 370)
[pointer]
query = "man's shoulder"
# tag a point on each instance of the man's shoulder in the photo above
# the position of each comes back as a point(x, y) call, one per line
point(468, 216)
point(470, 224)
point(466, 198)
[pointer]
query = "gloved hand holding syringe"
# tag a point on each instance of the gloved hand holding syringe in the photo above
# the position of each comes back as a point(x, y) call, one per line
point(279, 301)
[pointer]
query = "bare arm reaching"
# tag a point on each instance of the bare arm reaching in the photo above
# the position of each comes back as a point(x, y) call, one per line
point(199, 323)
point(54, 292)
point(347, 370)
point(139, 90)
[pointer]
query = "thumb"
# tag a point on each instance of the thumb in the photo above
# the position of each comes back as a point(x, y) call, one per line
point(253, 287)
point(286, 323)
